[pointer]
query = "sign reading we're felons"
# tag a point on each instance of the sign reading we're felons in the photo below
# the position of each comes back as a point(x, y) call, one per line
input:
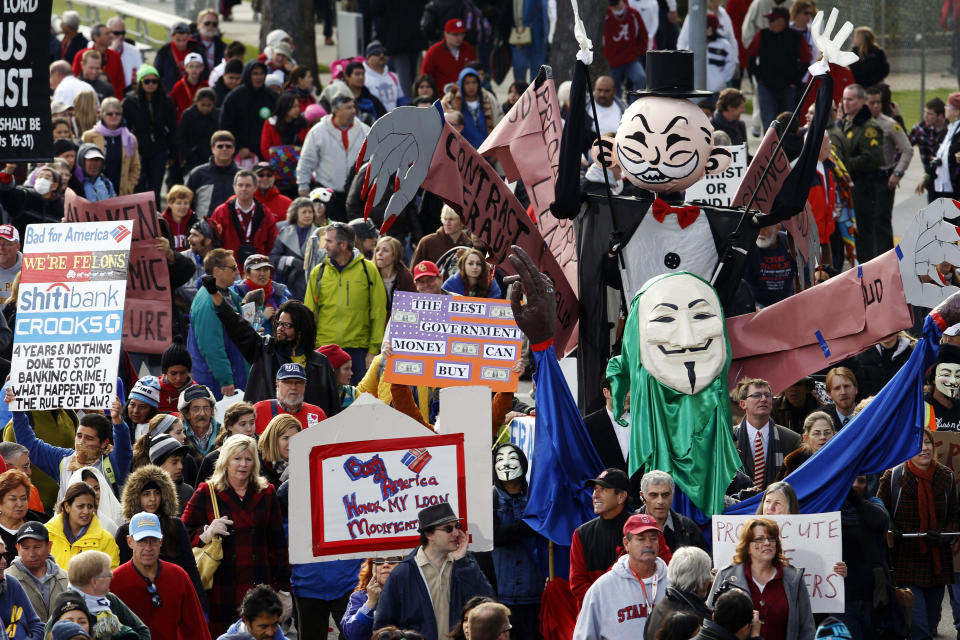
point(445, 341)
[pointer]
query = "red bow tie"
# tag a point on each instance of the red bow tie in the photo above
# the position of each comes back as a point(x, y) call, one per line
point(685, 215)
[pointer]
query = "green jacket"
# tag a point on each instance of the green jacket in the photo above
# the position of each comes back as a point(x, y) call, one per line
point(862, 143)
point(350, 305)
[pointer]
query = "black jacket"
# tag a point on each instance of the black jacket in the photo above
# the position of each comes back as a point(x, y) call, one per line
point(241, 114)
point(435, 16)
point(403, 18)
point(23, 206)
point(871, 69)
point(153, 127)
point(712, 631)
point(675, 601)
point(221, 90)
point(265, 357)
point(876, 366)
point(685, 532)
point(211, 185)
point(737, 130)
point(167, 66)
point(193, 136)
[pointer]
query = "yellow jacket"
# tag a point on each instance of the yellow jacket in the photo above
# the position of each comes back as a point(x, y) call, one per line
point(96, 538)
point(374, 384)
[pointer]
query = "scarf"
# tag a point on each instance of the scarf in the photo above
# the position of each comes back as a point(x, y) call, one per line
point(267, 290)
point(129, 142)
point(178, 56)
point(927, 507)
point(107, 625)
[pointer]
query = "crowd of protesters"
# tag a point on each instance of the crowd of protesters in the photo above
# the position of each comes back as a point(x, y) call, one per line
point(253, 165)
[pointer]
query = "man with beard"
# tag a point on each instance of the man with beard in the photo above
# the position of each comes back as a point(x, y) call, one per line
point(291, 382)
point(212, 47)
point(196, 408)
point(292, 341)
point(771, 268)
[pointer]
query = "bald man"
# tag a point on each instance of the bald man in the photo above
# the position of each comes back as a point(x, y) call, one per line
point(609, 107)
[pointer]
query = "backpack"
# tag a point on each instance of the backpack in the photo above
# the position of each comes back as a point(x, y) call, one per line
point(323, 265)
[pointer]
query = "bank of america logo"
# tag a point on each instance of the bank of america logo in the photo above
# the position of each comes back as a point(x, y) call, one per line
point(119, 233)
point(416, 459)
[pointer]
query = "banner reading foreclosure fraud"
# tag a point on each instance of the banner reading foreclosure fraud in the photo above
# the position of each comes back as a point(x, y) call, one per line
point(148, 322)
point(66, 338)
point(366, 494)
point(25, 127)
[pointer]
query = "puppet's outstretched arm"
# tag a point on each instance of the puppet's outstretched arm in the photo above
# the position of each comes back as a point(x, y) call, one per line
point(567, 192)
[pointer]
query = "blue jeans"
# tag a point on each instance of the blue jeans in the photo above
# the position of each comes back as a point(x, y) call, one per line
point(528, 57)
point(774, 102)
point(359, 357)
point(858, 616)
point(926, 611)
point(633, 72)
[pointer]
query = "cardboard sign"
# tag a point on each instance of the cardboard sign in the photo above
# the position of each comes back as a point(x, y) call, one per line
point(446, 341)
point(148, 321)
point(25, 126)
point(779, 170)
point(947, 452)
point(66, 347)
point(523, 434)
point(811, 542)
point(718, 190)
point(357, 484)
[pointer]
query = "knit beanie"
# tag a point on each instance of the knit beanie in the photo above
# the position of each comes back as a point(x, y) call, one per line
point(335, 355)
point(63, 145)
point(176, 354)
point(147, 70)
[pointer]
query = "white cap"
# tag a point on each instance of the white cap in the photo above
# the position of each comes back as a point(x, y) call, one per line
point(277, 35)
point(952, 330)
point(193, 56)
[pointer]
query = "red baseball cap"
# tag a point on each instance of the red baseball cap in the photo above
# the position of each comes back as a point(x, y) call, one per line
point(455, 25)
point(639, 523)
point(424, 269)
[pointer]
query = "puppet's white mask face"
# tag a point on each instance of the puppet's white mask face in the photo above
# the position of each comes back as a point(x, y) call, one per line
point(507, 464)
point(666, 144)
point(682, 341)
point(947, 379)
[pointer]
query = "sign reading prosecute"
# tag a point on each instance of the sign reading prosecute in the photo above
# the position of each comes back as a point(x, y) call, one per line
point(446, 341)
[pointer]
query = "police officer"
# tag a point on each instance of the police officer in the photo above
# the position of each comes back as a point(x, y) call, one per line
point(863, 151)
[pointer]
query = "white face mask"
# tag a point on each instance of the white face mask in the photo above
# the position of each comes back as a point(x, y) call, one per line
point(42, 186)
point(681, 330)
point(507, 464)
point(947, 379)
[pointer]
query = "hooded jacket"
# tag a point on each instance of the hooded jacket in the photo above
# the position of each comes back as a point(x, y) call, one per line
point(245, 108)
point(477, 125)
point(350, 304)
point(96, 187)
point(58, 582)
point(193, 134)
point(170, 70)
point(616, 607)
point(95, 537)
point(129, 163)
point(25, 206)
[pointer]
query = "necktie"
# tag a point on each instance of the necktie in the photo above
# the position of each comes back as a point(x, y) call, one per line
point(685, 215)
point(759, 461)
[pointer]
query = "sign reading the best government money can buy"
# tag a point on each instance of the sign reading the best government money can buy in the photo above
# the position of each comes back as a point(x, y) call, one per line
point(69, 321)
point(446, 341)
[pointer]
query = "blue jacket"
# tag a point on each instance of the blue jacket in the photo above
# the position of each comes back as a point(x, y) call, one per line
point(17, 613)
point(356, 624)
point(324, 580)
point(475, 131)
point(48, 458)
point(517, 551)
point(218, 362)
point(454, 284)
point(405, 601)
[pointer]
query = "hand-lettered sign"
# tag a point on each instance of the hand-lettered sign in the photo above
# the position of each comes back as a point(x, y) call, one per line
point(718, 190)
point(446, 341)
point(148, 321)
point(811, 542)
point(70, 315)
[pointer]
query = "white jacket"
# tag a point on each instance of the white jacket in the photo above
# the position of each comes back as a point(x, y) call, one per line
point(323, 154)
point(615, 607)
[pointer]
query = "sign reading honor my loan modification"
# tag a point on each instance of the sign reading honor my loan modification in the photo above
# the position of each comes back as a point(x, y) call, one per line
point(69, 322)
point(446, 341)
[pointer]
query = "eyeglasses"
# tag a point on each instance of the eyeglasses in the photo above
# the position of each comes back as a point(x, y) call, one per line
point(199, 409)
point(388, 560)
point(155, 598)
point(762, 540)
point(150, 81)
point(225, 145)
point(757, 395)
point(450, 527)
point(119, 33)
point(229, 267)
point(285, 325)
point(211, 24)
point(21, 467)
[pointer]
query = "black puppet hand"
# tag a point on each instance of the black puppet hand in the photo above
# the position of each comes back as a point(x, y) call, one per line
point(538, 317)
point(934, 537)
point(210, 284)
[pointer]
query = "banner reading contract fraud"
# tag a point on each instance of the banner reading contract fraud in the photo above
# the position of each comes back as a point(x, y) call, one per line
point(148, 323)
point(448, 341)
point(811, 542)
point(366, 494)
point(25, 127)
point(66, 347)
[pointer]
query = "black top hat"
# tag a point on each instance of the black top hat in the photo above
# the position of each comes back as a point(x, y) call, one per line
point(436, 515)
point(949, 353)
point(670, 75)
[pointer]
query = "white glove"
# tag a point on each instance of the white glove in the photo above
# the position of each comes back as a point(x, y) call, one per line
point(929, 240)
point(287, 601)
point(286, 262)
point(831, 46)
point(219, 527)
point(585, 54)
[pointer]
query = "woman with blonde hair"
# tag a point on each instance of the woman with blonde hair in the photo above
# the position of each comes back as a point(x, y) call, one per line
point(872, 67)
point(274, 447)
point(85, 110)
point(761, 569)
point(388, 256)
point(817, 431)
point(119, 146)
point(250, 526)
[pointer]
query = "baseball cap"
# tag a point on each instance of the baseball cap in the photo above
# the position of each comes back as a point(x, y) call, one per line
point(833, 629)
point(455, 25)
point(163, 446)
point(321, 194)
point(611, 478)
point(58, 106)
point(193, 56)
point(424, 269)
point(777, 12)
point(375, 48)
point(145, 525)
point(93, 153)
point(33, 530)
point(180, 27)
point(640, 522)
point(257, 261)
point(9, 232)
point(291, 370)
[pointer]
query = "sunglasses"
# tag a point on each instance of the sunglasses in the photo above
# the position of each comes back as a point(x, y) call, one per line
point(223, 146)
point(387, 560)
point(150, 81)
point(155, 598)
point(211, 24)
point(450, 527)
point(119, 33)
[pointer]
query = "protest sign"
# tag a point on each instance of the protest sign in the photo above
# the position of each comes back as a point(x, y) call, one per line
point(148, 321)
point(778, 172)
point(26, 132)
point(444, 341)
point(947, 447)
point(358, 483)
point(811, 542)
point(522, 434)
point(69, 321)
point(718, 190)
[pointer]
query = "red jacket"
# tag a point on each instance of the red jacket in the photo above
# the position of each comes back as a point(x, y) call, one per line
point(439, 63)
point(112, 65)
point(822, 200)
point(274, 201)
point(624, 37)
point(180, 617)
point(263, 230)
point(183, 92)
point(270, 137)
point(170, 396)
